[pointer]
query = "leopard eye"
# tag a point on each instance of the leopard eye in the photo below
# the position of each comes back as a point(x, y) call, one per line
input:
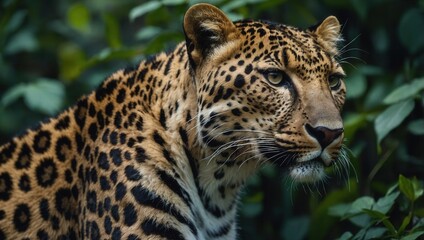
point(334, 80)
point(276, 77)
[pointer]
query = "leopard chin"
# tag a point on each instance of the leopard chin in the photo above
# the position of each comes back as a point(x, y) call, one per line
point(307, 172)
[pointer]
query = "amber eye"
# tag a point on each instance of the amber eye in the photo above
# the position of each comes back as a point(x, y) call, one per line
point(276, 77)
point(334, 80)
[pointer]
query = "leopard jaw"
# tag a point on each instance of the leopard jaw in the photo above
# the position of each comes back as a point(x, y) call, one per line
point(307, 172)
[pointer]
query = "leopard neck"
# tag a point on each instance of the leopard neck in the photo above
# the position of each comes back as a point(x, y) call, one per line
point(216, 177)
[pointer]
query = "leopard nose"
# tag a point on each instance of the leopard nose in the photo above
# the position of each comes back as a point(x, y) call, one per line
point(325, 136)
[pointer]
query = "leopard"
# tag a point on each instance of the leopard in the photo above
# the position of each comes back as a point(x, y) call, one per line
point(162, 149)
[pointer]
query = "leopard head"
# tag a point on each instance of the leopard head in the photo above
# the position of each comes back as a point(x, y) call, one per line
point(267, 92)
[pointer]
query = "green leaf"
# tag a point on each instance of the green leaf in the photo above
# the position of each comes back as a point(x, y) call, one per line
point(409, 30)
point(345, 236)
point(385, 203)
point(416, 127)
point(392, 117)
point(79, 17)
point(148, 32)
point(375, 214)
point(418, 192)
point(407, 188)
point(411, 188)
point(23, 40)
point(339, 210)
point(375, 233)
point(392, 189)
point(361, 220)
point(405, 91)
point(15, 21)
point(360, 234)
point(405, 223)
point(45, 95)
point(413, 236)
point(144, 8)
point(355, 212)
point(418, 188)
point(361, 203)
point(383, 218)
point(13, 94)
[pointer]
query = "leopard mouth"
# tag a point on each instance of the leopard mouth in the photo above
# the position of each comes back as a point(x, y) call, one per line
point(308, 171)
point(316, 160)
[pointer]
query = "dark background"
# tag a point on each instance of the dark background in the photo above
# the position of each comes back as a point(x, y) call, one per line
point(52, 52)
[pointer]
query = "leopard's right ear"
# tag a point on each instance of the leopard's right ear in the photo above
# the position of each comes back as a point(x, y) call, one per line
point(206, 29)
point(328, 33)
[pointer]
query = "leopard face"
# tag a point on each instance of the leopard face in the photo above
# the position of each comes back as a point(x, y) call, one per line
point(269, 92)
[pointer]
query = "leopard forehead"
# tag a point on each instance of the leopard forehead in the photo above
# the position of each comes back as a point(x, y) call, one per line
point(262, 44)
point(295, 49)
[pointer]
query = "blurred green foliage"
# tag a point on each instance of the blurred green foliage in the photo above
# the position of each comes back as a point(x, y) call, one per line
point(375, 219)
point(52, 52)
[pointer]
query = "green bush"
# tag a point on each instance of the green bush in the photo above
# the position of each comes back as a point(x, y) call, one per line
point(375, 218)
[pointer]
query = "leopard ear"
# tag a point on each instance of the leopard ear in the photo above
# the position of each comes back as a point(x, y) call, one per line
point(206, 28)
point(328, 33)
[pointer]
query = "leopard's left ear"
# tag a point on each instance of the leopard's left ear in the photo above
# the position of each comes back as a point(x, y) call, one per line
point(206, 29)
point(328, 33)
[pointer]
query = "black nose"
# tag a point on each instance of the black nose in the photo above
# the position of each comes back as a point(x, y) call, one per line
point(325, 136)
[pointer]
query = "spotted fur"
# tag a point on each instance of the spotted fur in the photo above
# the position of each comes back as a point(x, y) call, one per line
point(161, 150)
